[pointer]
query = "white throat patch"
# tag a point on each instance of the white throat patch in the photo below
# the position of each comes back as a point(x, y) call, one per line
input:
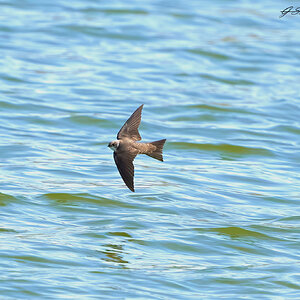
point(114, 145)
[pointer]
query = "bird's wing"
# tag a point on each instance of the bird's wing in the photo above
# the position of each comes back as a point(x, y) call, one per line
point(125, 166)
point(130, 128)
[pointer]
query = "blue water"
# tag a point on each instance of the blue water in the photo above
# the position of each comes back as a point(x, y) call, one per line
point(219, 218)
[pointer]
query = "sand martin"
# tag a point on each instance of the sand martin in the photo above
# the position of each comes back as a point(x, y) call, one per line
point(126, 147)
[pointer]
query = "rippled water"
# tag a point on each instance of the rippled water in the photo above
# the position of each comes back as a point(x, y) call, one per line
point(218, 219)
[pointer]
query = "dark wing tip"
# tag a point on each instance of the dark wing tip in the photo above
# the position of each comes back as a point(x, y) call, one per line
point(130, 128)
point(139, 109)
point(129, 183)
point(126, 169)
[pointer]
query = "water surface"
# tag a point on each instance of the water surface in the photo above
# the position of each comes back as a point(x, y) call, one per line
point(219, 218)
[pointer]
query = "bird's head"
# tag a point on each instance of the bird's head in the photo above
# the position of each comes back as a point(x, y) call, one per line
point(114, 145)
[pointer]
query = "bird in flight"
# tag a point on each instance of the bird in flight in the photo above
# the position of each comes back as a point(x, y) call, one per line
point(126, 147)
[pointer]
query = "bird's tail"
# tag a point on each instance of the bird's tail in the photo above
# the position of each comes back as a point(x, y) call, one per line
point(157, 153)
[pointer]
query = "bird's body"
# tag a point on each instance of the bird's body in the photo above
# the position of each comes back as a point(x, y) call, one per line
point(126, 148)
point(128, 145)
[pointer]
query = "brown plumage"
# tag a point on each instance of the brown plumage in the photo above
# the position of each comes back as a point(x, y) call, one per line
point(126, 148)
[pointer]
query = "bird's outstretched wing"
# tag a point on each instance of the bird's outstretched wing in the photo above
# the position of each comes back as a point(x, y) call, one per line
point(125, 166)
point(130, 128)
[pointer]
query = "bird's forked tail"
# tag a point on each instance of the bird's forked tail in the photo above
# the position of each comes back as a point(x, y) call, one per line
point(157, 153)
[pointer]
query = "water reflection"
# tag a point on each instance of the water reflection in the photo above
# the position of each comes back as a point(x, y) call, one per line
point(115, 253)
